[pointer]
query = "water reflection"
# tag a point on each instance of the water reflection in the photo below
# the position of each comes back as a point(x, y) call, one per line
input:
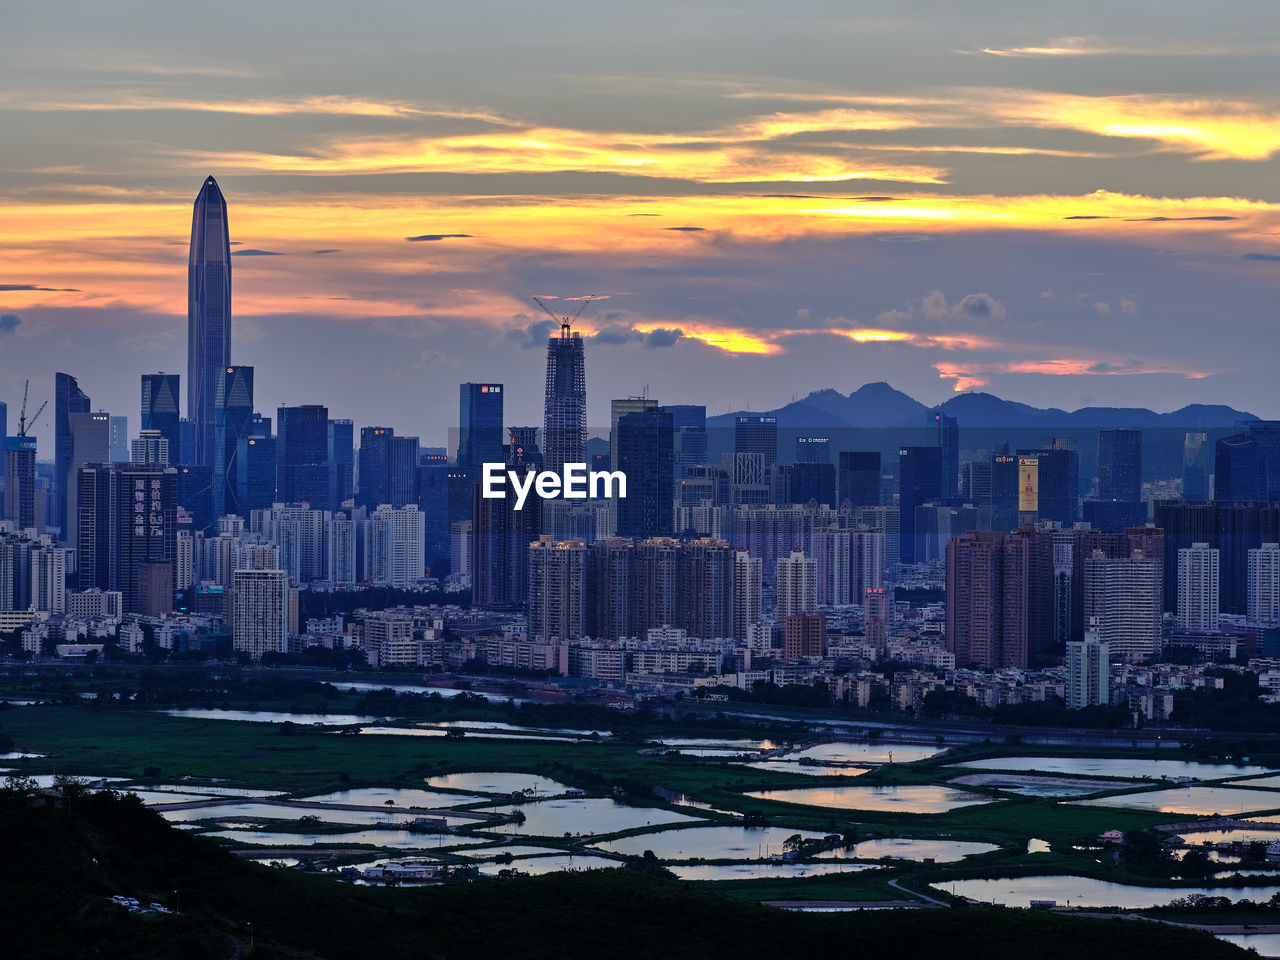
point(399, 796)
point(887, 799)
point(270, 716)
point(758, 871)
point(845, 751)
point(709, 843)
point(500, 783)
point(584, 817)
point(910, 848)
point(537, 866)
point(391, 839)
point(1192, 800)
point(1118, 767)
point(1088, 892)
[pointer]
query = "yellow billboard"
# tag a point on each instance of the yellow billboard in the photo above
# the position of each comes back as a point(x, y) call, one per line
point(1028, 485)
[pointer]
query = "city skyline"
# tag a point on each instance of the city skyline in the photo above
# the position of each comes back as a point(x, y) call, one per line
point(1056, 211)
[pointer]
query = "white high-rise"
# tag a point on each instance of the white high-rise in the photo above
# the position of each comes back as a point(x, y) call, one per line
point(747, 590)
point(1088, 672)
point(261, 612)
point(49, 578)
point(797, 584)
point(340, 549)
point(395, 546)
point(1126, 597)
point(1264, 584)
point(1198, 588)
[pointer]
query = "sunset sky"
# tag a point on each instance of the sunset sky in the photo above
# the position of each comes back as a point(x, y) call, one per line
point(1064, 209)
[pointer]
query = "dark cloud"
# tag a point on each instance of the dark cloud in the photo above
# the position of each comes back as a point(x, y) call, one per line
point(1164, 219)
point(644, 214)
point(1131, 365)
point(255, 253)
point(616, 333)
point(318, 252)
point(979, 306)
point(1088, 216)
point(662, 337)
point(819, 196)
point(1260, 256)
point(685, 229)
point(20, 287)
point(438, 236)
point(903, 238)
point(532, 336)
point(9, 322)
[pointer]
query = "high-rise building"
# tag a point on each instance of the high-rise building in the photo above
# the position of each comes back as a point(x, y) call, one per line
point(500, 539)
point(797, 584)
point(127, 517)
point(433, 501)
point(919, 482)
point(1198, 588)
point(260, 622)
point(557, 591)
point(1232, 527)
point(49, 578)
point(68, 398)
point(747, 593)
point(755, 434)
point(858, 478)
point(1004, 490)
point(232, 422)
point(150, 446)
point(620, 408)
point(4, 430)
point(395, 550)
point(302, 454)
point(389, 469)
point(1055, 489)
point(255, 476)
point(1264, 585)
point(1088, 672)
point(689, 429)
point(195, 494)
point(1195, 466)
point(1266, 433)
point(119, 439)
point(999, 598)
point(564, 434)
point(90, 443)
point(479, 426)
point(208, 314)
point(645, 456)
point(813, 449)
point(342, 458)
point(1120, 465)
point(803, 634)
point(1124, 597)
point(704, 606)
point(610, 570)
point(1239, 469)
point(944, 433)
point(160, 410)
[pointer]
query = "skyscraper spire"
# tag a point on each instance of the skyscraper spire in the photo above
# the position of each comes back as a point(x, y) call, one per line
point(208, 313)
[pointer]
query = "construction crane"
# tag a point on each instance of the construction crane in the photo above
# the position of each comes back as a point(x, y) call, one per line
point(566, 322)
point(23, 423)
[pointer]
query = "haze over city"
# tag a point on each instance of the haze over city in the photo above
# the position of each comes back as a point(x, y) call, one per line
point(1063, 210)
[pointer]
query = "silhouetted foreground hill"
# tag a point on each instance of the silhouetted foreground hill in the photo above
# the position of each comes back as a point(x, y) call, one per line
point(61, 865)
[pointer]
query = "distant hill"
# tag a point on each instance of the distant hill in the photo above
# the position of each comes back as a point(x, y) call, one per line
point(881, 405)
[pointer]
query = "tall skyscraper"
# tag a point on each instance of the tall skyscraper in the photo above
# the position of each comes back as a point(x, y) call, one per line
point(479, 426)
point(119, 435)
point(1120, 465)
point(342, 457)
point(747, 591)
point(90, 443)
point(149, 446)
point(1056, 489)
point(1198, 588)
point(1239, 469)
point(255, 476)
point(68, 398)
point(557, 591)
point(644, 454)
point(20, 481)
point(919, 482)
point(127, 517)
point(232, 417)
point(564, 434)
point(619, 409)
point(754, 434)
point(1266, 433)
point(813, 449)
point(858, 478)
point(388, 469)
point(1195, 466)
point(944, 433)
point(302, 454)
point(689, 429)
point(4, 430)
point(160, 409)
point(208, 313)
point(1232, 527)
point(797, 584)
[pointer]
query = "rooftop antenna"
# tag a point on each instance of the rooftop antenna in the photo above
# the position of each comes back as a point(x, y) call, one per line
point(565, 321)
point(23, 423)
